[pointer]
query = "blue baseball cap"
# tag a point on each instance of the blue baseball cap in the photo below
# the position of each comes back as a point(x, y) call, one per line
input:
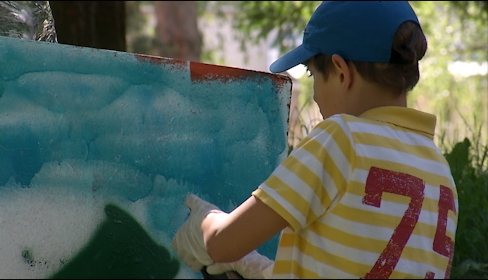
point(355, 30)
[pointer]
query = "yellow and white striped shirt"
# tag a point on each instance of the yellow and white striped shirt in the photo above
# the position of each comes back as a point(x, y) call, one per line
point(368, 196)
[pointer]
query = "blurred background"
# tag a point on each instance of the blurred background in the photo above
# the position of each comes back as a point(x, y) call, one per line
point(252, 34)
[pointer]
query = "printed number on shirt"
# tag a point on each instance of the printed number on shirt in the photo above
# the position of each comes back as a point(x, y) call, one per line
point(382, 180)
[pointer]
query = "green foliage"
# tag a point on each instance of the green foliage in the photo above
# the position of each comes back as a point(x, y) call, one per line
point(256, 20)
point(476, 11)
point(456, 31)
point(468, 167)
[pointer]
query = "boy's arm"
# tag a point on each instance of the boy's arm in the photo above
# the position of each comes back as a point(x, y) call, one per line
point(229, 237)
point(232, 238)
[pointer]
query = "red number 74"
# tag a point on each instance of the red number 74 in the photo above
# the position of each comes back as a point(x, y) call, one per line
point(382, 180)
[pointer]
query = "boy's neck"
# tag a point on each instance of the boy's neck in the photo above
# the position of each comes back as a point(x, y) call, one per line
point(365, 96)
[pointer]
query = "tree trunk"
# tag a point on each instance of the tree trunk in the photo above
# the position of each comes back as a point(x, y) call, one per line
point(95, 24)
point(177, 30)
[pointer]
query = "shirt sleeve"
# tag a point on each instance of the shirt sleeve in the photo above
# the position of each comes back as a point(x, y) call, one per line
point(316, 173)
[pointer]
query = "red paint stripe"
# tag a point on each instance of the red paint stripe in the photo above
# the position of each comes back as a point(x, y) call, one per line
point(160, 60)
point(200, 72)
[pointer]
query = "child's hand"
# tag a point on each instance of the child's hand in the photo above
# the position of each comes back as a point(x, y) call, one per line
point(188, 241)
point(251, 266)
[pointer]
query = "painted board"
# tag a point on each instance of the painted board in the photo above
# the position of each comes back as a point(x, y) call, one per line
point(99, 148)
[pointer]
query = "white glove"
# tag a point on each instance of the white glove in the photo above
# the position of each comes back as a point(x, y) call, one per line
point(251, 266)
point(188, 240)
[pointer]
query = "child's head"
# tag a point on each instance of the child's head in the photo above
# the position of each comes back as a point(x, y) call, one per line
point(382, 39)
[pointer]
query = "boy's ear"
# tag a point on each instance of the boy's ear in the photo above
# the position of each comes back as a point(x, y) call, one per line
point(343, 71)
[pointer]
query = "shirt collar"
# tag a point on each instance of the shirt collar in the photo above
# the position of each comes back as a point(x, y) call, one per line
point(411, 119)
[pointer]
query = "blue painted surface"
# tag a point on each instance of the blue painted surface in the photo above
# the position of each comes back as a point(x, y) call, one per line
point(81, 127)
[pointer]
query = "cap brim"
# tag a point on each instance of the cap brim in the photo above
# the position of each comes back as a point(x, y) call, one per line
point(297, 56)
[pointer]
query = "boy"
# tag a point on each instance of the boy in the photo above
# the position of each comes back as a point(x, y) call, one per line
point(366, 194)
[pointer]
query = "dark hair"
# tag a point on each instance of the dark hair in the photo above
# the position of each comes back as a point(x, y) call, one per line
point(401, 73)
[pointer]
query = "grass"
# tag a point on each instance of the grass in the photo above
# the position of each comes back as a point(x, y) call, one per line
point(469, 169)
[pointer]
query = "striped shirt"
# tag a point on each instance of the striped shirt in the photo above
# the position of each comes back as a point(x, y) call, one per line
point(368, 196)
